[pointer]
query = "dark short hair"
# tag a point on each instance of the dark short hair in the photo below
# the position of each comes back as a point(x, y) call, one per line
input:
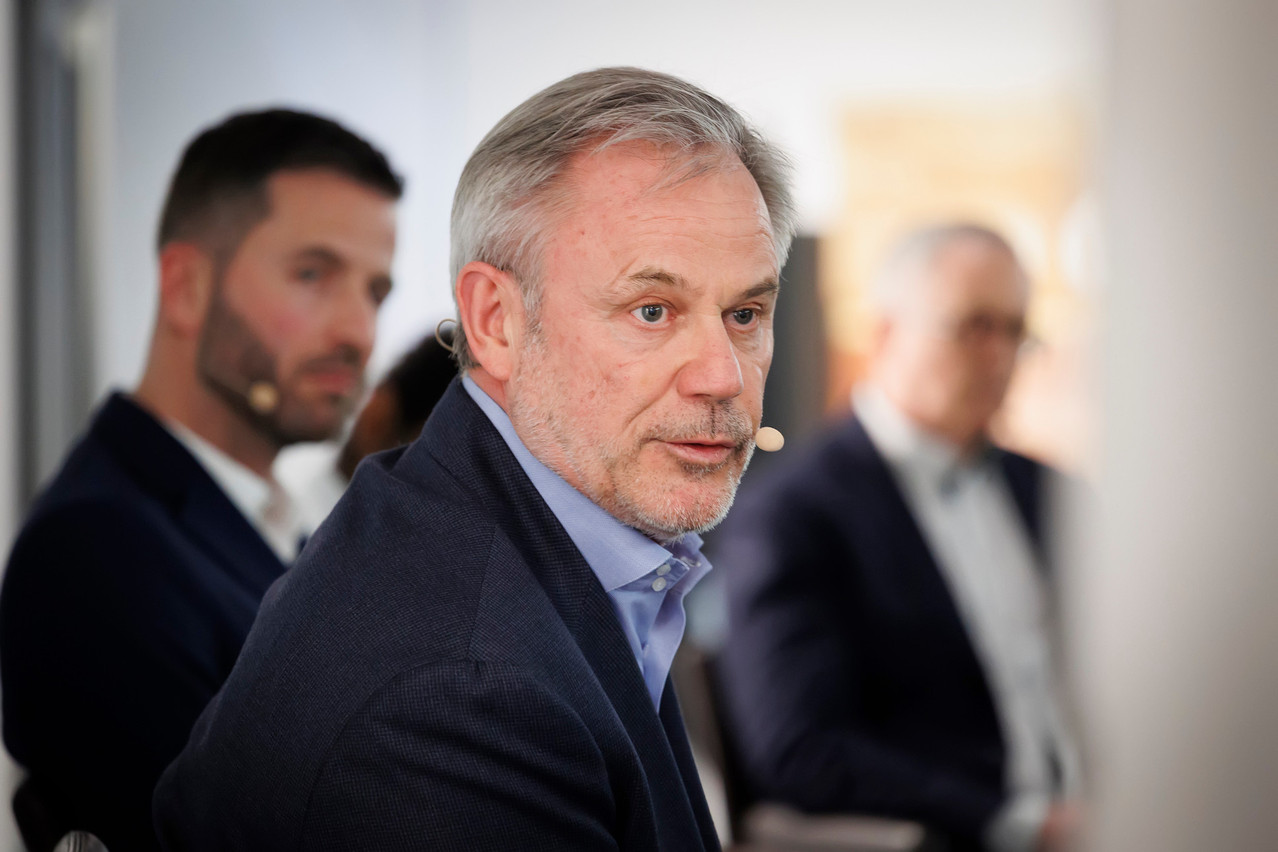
point(221, 179)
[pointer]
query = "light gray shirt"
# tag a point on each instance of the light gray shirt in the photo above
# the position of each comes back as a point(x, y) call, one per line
point(978, 537)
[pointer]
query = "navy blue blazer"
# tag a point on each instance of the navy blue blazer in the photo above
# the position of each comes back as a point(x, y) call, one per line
point(440, 670)
point(851, 681)
point(128, 594)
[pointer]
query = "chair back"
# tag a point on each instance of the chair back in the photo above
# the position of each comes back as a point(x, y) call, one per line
point(759, 826)
point(79, 841)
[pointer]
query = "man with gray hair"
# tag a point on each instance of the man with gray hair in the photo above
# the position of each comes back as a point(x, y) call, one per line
point(888, 649)
point(473, 652)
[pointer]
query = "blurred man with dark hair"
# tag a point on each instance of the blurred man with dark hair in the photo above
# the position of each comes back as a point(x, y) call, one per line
point(889, 646)
point(135, 578)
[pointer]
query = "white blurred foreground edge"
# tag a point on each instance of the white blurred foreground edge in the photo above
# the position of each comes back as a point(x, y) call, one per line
point(1172, 610)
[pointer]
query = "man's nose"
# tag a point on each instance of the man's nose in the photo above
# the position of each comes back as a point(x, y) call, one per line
point(354, 320)
point(713, 371)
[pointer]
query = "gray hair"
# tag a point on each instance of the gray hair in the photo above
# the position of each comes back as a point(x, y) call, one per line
point(903, 270)
point(507, 197)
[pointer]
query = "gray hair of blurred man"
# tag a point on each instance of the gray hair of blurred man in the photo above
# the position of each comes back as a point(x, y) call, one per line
point(903, 273)
point(509, 194)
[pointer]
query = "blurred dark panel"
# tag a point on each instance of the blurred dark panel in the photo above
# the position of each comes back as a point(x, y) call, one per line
point(794, 402)
point(53, 336)
point(794, 398)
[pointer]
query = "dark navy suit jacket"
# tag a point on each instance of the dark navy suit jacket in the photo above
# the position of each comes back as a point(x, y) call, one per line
point(127, 596)
point(851, 681)
point(440, 670)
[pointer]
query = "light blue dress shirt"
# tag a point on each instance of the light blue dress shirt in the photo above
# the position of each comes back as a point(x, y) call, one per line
point(645, 581)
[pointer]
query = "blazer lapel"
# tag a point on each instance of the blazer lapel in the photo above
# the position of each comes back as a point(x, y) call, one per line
point(676, 793)
point(213, 520)
point(916, 578)
point(1024, 481)
point(882, 510)
point(672, 721)
point(162, 466)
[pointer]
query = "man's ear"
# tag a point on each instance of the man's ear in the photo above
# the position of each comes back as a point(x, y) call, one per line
point(492, 313)
point(186, 287)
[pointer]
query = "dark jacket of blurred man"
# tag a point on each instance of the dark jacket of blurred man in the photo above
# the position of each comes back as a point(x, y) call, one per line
point(139, 570)
point(888, 650)
point(473, 653)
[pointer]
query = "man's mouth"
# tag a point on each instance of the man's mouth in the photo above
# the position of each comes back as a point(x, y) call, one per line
point(339, 373)
point(707, 451)
point(336, 380)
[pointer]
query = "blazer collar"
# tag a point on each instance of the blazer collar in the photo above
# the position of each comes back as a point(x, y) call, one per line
point(160, 465)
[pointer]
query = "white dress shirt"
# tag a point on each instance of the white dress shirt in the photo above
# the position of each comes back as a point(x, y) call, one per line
point(977, 535)
point(264, 502)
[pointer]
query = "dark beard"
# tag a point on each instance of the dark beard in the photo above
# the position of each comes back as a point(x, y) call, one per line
point(231, 359)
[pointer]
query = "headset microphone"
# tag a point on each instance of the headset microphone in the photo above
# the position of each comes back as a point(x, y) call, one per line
point(263, 397)
point(768, 439)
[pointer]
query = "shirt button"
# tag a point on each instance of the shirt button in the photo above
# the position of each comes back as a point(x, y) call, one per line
point(664, 569)
point(659, 584)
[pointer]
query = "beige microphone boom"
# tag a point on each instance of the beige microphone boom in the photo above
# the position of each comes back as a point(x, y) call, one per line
point(768, 439)
point(263, 397)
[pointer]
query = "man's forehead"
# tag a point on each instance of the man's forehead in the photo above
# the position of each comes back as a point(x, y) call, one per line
point(645, 167)
point(329, 199)
point(617, 186)
point(968, 272)
point(620, 208)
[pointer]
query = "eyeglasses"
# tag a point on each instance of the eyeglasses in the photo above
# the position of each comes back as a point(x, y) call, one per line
point(981, 329)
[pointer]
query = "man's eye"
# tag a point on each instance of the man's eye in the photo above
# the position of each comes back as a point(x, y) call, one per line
point(309, 273)
point(651, 313)
point(745, 316)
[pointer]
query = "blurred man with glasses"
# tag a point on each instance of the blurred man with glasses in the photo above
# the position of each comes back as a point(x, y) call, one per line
point(889, 634)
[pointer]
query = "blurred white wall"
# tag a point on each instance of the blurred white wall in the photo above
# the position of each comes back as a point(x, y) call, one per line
point(791, 66)
point(1178, 642)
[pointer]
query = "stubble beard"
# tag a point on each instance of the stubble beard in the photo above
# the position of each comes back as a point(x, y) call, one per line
point(232, 358)
point(653, 507)
point(672, 517)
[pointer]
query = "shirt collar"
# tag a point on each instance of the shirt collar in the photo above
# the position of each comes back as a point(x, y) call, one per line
point(617, 554)
point(909, 447)
point(249, 492)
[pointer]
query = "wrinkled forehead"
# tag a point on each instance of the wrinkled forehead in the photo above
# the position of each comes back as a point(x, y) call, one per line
point(614, 185)
point(670, 165)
